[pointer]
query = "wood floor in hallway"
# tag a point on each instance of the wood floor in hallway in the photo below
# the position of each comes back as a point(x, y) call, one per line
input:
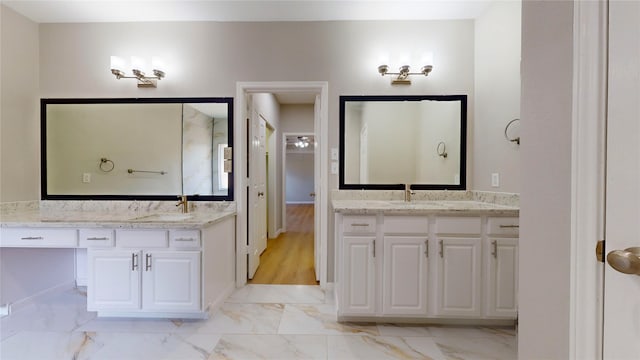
point(288, 258)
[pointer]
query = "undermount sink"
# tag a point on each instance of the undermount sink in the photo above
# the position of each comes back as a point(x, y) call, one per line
point(164, 217)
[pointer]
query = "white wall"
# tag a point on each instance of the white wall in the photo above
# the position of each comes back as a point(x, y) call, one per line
point(497, 92)
point(299, 177)
point(19, 104)
point(208, 58)
point(545, 201)
point(298, 118)
point(23, 272)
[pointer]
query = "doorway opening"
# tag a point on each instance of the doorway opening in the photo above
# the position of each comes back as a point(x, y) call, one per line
point(296, 249)
point(289, 257)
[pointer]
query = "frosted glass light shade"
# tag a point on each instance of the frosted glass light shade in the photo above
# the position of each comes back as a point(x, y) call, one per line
point(138, 63)
point(117, 63)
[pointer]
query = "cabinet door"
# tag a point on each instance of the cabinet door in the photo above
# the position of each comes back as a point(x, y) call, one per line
point(358, 280)
point(171, 281)
point(113, 280)
point(404, 272)
point(502, 279)
point(459, 276)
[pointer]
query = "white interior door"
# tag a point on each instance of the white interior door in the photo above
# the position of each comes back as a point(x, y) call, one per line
point(317, 176)
point(257, 204)
point(622, 291)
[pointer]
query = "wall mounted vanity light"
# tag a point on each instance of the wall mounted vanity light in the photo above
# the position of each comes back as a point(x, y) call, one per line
point(137, 68)
point(403, 73)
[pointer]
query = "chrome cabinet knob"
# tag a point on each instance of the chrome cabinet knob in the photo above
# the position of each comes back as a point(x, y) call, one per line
point(626, 261)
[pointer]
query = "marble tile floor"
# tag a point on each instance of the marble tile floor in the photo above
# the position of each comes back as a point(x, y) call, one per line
point(256, 322)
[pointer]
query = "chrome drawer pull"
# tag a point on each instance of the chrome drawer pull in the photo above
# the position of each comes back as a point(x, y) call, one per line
point(442, 248)
point(359, 224)
point(426, 248)
point(32, 238)
point(98, 238)
point(134, 262)
point(494, 243)
point(147, 262)
point(509, 226)
point(184, 239)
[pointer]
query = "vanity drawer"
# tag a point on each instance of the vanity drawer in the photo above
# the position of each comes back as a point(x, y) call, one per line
point(406, 225)
point(35, 237)
point(359, 224)
point(458, 225)
point(503, 226)
point(90, 238)
point(184, 238)
point(142, 238)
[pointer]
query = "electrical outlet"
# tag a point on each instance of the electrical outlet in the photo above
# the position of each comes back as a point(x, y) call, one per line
point(495, 180)
point(86, 178)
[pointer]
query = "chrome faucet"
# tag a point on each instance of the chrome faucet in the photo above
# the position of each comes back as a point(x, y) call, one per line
point(408, 192)
point(185, 204)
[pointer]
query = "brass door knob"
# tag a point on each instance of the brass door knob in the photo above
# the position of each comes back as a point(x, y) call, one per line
point(626, 261)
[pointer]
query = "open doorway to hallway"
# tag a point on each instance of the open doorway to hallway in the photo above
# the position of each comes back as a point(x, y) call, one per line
point(290, 255)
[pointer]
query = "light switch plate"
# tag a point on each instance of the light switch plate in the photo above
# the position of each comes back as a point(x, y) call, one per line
point(228, 153)
point(334, 167)
point(86, 178)
point(334, 154)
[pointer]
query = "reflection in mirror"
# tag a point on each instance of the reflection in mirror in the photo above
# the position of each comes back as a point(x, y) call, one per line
point(154, 148)
point(388, 141)
point(204, 137)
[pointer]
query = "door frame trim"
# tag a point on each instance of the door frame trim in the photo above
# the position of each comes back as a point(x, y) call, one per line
point(321, 129)
point(588, 177)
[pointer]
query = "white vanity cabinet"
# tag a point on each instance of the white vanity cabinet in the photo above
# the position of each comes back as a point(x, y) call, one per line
point(358, 265)
point(133, 268)
point(501, 259)
point(171, 281)
point(405, 265)
point(459, 270)
point(432, 267)
point(114, 280)
point(154, 278)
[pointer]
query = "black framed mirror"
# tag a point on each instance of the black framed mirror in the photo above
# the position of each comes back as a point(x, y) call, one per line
point(389, 141)
point(137, 148)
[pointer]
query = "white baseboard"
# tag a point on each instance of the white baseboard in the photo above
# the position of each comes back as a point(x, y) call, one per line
point(300, 202)
point(273, 236)
point(33, 299)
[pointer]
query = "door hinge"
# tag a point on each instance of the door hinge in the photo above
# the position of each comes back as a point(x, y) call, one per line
point(600, 250)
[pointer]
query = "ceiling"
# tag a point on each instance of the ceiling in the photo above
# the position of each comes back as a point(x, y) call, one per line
point(74, 11)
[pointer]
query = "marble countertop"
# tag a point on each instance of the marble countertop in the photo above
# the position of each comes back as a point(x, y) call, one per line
point(425, 207)
point(123, 220)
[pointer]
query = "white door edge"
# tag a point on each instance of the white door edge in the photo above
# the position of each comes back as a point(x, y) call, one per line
point(587, 198)
point(320, 88)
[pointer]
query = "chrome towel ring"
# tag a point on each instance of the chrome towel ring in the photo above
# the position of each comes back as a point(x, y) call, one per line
point(506, 129)
point(442, 149)
point(106, 165)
